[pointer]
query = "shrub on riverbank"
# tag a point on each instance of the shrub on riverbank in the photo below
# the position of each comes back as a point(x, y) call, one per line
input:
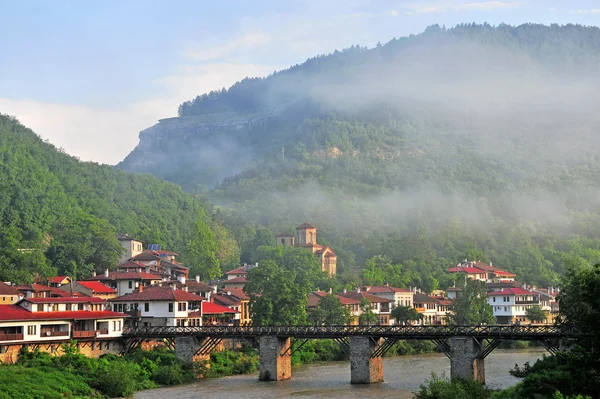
point(74, 375)
point(442, 388)
point(226, 363)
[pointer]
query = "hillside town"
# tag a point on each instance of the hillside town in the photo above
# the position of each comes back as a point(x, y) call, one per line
point(149, 287)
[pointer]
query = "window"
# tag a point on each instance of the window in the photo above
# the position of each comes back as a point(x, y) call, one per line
point(146, 307)
point(68, 306)
point(181, 306)
point(170, 307)
point(493, 299)
point(55, 307)
point(31, 330)
point(80, 306)
point(3, 299)
point(40, 307)
point(114, 326)
point(505, 309)
point(130, 284)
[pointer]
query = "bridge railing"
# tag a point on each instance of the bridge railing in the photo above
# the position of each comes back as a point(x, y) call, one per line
point(408, 332)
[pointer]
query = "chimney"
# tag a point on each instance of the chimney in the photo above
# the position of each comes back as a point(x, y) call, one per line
point(345, 291)
point(330, 290)
point(214, 288)
point(147, 269)
point(491, 264)
point(358, 290)
point(386, 284)
point(185, 288)
point(181, 279)
point(106, 273)
point(197, 278)
point(94, 273)
point(173, 286)
point(141, 288)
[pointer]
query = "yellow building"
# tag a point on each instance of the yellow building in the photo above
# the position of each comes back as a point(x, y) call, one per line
point(306, 237)
point(8, 294)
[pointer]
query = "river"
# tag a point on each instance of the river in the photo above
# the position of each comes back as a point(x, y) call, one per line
point(403, 375)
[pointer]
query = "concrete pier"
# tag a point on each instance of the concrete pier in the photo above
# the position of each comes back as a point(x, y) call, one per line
point(365, 369)
point(465, 362)
point(185, 348)
point(275, 359)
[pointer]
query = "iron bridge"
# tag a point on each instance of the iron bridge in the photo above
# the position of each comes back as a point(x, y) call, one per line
point(426, 332)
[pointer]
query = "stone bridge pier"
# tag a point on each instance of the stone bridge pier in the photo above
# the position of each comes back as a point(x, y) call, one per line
point(275, 358)
point(186, 348)
point(467, 358)
point(366, 366)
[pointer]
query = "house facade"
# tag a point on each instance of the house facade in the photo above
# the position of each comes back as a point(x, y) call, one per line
point(510, 306)
point(159, 306)
point(52, 319)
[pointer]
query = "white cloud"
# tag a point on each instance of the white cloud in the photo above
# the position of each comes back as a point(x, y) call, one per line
point(454, 6)
point(106, 134)
point(244, 42)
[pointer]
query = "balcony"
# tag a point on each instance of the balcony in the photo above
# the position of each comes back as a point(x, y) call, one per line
point(11, 337)
point(534, 302)
point(55, 334)
point(85, 334)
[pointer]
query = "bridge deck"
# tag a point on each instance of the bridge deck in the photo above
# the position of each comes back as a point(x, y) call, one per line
point(515, 332)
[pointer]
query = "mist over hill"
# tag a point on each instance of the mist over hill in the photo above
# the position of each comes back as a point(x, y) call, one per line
point(475, 141)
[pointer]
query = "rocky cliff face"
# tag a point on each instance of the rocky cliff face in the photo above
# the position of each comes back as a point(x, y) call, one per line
point(206, 149)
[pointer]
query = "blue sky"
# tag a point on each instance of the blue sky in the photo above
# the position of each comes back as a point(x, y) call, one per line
point(89, 75)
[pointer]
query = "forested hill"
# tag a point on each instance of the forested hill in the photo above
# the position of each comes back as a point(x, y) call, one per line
point(60, 215)
point(472, 141)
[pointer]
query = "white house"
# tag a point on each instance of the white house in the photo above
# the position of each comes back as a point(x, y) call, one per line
point(510, 305)
point(127, 282)
point(52, 319)
point(159, 306)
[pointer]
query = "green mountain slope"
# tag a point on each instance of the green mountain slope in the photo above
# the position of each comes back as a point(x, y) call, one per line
point(61, 215)
point(473, 141)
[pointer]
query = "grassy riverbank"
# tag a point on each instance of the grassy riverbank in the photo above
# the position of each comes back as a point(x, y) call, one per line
point(38, 375)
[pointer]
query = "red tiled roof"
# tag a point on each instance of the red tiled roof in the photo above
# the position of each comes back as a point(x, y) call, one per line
point(156, 293)
point(237, 280)
point(504, 273)
point(194, 285)
point(97, 287)
point(306, 225)
point(131, 265)
point(35, 287)
point(387, 288)
point(57, 292)
point(161, 252)
point(57, 279)
point(468, 270)
point(15, 312)
point(225, 300)
point(369, 297)
point(238, 293)
point(84, 299)
point(512, 291)
point(213, 308)
point(239, 270)
point(348, 301)
point(126, 276)
point(6, 289)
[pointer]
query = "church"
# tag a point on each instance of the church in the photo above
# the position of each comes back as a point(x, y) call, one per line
point(306, 237)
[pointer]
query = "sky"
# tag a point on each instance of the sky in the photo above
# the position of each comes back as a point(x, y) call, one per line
point(89, 76)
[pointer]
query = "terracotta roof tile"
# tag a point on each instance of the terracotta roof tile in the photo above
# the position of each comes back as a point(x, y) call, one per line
point(156, 293)
point(6, 289)
point(15, 312)
point(213, 308)
point(97, 287)
point(237, 280)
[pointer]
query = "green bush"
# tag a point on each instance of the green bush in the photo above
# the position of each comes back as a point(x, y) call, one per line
point(120, 379)
point(17, 381)
point(443, 388)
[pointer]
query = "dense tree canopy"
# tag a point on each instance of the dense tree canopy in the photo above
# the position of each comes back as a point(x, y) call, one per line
point(60, 215)
point(470, 306)
point(279, 287)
